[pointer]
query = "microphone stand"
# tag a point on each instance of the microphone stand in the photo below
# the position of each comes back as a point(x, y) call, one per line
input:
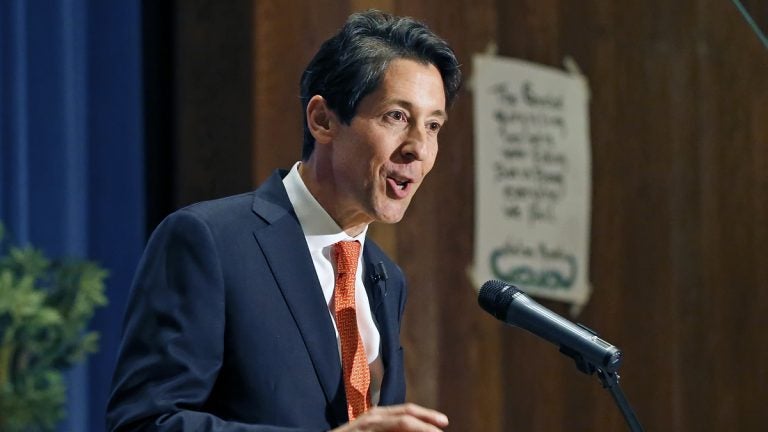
point(610, 380)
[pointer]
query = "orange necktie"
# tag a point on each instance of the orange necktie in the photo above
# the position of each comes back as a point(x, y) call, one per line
point(357, 375)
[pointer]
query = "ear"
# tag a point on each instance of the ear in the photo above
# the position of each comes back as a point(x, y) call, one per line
point(320, 119)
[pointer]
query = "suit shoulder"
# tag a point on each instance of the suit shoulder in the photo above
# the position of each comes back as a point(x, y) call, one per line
point(223, 216)
point(221, 207)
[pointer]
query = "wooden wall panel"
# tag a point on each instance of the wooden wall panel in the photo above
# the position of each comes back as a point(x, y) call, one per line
point(286, 36)
point(675, 222)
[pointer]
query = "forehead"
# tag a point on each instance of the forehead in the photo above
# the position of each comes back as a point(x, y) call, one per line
point(410, 82)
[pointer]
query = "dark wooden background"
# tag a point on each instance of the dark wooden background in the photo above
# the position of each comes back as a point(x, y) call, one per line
point(679, 131)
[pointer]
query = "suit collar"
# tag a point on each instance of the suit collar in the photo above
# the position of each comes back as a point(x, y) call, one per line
point(270, 201)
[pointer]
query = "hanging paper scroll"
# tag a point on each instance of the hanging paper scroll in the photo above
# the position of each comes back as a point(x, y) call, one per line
point(533, 179)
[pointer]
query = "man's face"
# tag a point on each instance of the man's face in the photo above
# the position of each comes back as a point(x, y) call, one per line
point(383, 155)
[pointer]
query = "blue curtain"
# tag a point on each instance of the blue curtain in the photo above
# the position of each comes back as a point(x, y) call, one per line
point(71, 154)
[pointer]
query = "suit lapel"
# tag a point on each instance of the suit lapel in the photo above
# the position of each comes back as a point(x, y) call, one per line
point(373, 286)
point(282, 242)
point(385, 319)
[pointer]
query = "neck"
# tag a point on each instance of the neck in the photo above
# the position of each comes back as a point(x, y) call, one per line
point(322, 186)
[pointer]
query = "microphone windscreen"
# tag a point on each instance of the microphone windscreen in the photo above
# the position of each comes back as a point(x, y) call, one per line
point(495, 297)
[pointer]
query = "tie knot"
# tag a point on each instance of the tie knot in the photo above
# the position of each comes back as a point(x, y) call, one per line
point(345, 254)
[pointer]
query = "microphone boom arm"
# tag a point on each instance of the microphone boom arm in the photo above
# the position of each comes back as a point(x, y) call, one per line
point(610, 381)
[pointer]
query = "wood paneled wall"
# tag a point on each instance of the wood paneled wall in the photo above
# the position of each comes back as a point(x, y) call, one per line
point(679, 129)
point(679, 137)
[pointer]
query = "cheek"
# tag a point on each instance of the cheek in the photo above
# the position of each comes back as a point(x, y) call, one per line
point(429, 163)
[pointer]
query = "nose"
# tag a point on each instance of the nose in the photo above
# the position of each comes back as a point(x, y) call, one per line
point(416, 145)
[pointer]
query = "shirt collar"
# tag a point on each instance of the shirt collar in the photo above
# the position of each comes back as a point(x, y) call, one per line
point(319, 227)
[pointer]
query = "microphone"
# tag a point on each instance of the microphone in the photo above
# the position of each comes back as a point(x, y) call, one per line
point(379, 272)
point(507, 303)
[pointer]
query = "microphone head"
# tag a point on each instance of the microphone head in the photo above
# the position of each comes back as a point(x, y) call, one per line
point(495, 297)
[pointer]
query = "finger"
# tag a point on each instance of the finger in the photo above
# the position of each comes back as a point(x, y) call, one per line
point(419, 412)
point(389, 421)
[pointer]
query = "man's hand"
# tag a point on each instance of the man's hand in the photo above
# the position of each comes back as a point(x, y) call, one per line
point(398, 418)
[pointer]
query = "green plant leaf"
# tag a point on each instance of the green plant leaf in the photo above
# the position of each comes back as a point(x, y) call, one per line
point(45, 307)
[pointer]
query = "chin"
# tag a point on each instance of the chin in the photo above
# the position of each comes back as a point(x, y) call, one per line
point(388, 210)
point(390, 219)
point(391, 215)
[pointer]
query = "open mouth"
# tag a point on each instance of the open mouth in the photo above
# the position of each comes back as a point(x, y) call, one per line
point(399, 186)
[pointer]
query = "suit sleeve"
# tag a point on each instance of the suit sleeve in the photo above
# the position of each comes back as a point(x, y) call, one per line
point(173, 339)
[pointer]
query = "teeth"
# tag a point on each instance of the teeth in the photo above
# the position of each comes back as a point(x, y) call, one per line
point(402, 184)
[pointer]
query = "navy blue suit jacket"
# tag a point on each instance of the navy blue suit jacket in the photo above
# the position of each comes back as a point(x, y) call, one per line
point(227, 328)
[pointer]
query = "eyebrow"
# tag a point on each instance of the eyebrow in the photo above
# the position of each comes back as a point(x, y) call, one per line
point(409, 106)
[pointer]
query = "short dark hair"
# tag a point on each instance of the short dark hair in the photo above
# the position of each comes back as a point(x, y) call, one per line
point(351, 64)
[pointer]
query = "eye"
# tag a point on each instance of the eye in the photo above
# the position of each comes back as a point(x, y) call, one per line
point(434, 126)
point(397, 116)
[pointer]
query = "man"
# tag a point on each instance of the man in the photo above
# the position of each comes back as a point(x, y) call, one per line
point(258, 312)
